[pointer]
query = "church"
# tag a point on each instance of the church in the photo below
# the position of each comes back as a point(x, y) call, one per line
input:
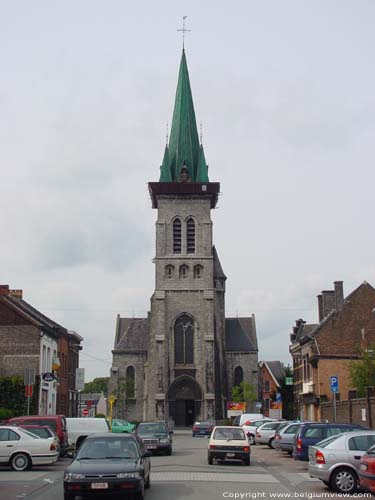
point(181, 362)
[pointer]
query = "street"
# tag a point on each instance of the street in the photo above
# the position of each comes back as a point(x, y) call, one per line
point(186, 475)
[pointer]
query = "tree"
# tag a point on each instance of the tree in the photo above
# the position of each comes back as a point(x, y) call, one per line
point(362, 372)
point(287, 395)
point(99, 384)
point(244, 392)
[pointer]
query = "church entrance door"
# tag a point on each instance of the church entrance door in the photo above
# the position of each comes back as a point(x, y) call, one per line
point(184, 400)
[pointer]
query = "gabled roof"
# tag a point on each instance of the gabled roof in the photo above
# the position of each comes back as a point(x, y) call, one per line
point(132, 334)
point(184, 148)
point(218, 270)
point(305, 331)
point(276, 370)
point(240, 334)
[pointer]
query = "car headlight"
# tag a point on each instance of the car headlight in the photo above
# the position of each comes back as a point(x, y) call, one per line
point(164, 441)
point(126, 475)
point(69, 476)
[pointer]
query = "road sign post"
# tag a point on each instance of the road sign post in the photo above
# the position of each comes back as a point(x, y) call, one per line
point(28, 380)
point(334, 382)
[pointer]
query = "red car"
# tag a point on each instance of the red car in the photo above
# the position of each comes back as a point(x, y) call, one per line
point(367, 470)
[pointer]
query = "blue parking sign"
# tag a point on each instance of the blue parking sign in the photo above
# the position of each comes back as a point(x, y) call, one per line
point(334, 383)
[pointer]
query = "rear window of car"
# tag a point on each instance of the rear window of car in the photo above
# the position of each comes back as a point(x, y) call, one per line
point(50, 422)
point(235, 434)
point(326, 442)
point(271, 426)
point(43, 433)
point(333, 431)
point(314, 432)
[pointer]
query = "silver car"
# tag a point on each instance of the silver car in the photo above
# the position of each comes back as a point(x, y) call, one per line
point(284, 437)
point(265, 434)
point(336, 460)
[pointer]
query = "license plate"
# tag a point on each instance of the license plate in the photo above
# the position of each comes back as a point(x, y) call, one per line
point(151, 447)
point(231, 455)
point(99, 486)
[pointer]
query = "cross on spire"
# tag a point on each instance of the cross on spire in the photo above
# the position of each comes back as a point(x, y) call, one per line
point(183, 30)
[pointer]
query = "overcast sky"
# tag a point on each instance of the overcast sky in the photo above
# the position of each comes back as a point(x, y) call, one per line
point(285, 91)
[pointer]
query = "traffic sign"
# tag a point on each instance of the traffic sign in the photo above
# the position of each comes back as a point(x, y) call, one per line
point(278, 397)
point(288, 380)
point(258, 405)
point(334, 383)
point(48, 377)
point(85, 412)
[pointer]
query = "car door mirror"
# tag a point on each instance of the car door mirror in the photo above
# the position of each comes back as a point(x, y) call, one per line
point(170, 433)
point(146, 454)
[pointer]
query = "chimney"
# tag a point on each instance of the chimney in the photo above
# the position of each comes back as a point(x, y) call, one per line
point(4, 289)
point(339, 295)
point(328, 301)
point(320, 307)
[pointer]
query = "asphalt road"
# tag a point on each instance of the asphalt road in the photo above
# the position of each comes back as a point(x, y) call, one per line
point(186, 475)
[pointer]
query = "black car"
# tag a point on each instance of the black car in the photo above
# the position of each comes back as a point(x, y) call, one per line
point(108, 464)
point(156, 436)
point(202, 428)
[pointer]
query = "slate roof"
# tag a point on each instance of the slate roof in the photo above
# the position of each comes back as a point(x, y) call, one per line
point(218, 270)
point(305, 331)
point(277, 370)
point(132, 334)
point(240, 334)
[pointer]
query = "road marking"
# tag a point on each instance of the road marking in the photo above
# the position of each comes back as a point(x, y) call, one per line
point(213, 477)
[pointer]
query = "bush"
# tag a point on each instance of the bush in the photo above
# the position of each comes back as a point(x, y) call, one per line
point(227, 421)
point(100, 415)
point(5, 413)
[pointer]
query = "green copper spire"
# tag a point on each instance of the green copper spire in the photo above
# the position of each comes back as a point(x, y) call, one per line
point(184, 151)
point(202, 173)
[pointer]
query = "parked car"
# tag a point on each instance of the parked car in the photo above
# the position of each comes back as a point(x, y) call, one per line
point(119, 425)
point(336, 460)
point(228, 443)
point(156, 436)
point(250, 427)
point(44, 432)
point(239, 420)
point(111, 464)
point(265, 434)
point(56, 422)
point(367, 470)
point(202, 428)
point(21, 449)
point(311, 433)
point(81, 427)
point(284, 437)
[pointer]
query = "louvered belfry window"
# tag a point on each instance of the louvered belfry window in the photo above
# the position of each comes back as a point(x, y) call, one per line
point(190, 235)
point(177, 236)
point(183, 340)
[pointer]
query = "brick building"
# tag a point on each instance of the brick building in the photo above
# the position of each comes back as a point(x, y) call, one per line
point(29, 339)
point(184, 358)
point(271, 376)
point(328, 347)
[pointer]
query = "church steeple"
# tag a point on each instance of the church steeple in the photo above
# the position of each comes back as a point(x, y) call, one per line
point(184, 152)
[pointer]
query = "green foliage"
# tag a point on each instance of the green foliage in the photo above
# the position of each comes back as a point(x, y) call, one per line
point(362, 372)
point(12, 397)
point(5, 413)
point(99, 384)
point(227, 421)
point(244, 392)
point(287, 395)
point(100, 415)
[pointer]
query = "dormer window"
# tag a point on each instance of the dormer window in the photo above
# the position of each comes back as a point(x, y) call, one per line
point(184, 269)
point(177, 236)
point(190, 235)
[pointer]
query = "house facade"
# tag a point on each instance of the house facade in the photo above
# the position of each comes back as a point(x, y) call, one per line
point(271, 376)
point(328, 348)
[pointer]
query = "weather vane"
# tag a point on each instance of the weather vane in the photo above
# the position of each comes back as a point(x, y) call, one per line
point(184, 30)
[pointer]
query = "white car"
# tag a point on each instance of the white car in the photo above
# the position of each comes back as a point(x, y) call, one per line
point(265, 434)
point(228, 443)
point(21, 449)
point(250, 427)
point(80, 427)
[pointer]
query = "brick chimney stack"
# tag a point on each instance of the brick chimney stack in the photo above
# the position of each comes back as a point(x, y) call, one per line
point(339, 295)
point(320, 307)
point(4, 289)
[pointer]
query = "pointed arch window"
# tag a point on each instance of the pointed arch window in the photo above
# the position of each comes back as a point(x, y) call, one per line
point(169, 271)
point(130, 382)
point(198, 271)
point(184, 340)
point(238, 376)
point(190, 235)
point(177, 236)
point(184, 269)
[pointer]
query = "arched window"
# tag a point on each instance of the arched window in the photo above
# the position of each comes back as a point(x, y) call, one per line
point(177, 236)
point(130, 382)
point(184, 269)
point(169, 271)
point(184, 340)
point(238, 376)
point(190, 235)
point(198, 271)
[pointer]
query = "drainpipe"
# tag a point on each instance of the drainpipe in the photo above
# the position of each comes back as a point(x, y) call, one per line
point(318, 352)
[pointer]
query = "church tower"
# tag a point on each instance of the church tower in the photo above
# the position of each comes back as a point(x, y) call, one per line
point(187, 321)
point(181, 362)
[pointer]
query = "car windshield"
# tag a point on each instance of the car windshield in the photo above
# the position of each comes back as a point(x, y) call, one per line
point(229, 434)
point(151, 429)
point(119, 422)
point(100, 448)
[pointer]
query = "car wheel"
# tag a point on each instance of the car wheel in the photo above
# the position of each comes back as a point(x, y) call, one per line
point(247, 461)
point(251, 439)
point(169, 452)
point(20, 462)
point(210, 460)
point(193, 435)
point(271, 443)
point(343, 480)
point(69, 496)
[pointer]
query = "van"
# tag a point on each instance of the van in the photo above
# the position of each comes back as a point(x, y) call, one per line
point(80, 428)
point(56, 422)
point(241, 419)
